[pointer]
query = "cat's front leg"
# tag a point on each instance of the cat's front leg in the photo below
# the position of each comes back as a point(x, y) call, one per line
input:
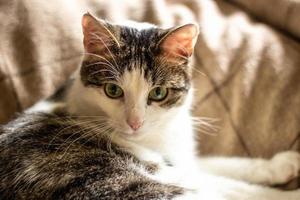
point(212, 187)
point(282, 168)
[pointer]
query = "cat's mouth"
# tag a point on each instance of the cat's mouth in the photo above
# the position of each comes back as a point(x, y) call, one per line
point(127, 133)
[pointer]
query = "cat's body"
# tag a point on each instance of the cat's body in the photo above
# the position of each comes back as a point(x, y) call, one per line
point(44, 164)
point(121, 129)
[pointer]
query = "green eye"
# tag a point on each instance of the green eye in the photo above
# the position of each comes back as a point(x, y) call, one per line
point(113, 91)
point(158, 94)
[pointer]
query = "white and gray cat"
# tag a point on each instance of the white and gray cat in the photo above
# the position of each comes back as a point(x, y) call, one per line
point(121, 128)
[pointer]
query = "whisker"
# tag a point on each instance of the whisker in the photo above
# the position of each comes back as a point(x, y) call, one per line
point(106, 48)
point(101, 63)
point(204, 125)
point(103, 70)
point(206, 132)
point(71, 126)
point(112, 36)
point(80, 137)
point(98, 56)
point(198, 71)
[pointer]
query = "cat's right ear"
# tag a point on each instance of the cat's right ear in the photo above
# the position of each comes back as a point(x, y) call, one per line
point(98, 37)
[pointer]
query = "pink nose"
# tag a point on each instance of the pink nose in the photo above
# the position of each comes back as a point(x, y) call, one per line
point(135, 124)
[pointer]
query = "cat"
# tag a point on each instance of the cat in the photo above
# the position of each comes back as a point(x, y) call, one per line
point(120, 128)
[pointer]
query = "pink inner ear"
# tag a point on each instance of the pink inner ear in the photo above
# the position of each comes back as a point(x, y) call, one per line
point(180, 43)
point(179, 46)
point(89, 24)
point(96, 38)
point(86, 19)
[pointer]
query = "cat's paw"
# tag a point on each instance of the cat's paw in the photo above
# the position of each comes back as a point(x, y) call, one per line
point(284, 167)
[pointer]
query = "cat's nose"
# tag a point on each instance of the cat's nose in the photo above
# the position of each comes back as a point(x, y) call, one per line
point(135, 124)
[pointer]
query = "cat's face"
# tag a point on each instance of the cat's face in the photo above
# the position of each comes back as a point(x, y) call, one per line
point(138, 78)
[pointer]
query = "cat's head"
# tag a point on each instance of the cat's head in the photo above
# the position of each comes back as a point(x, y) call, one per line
point(138, 78)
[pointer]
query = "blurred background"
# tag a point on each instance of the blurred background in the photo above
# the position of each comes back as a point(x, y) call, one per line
point(248, 99)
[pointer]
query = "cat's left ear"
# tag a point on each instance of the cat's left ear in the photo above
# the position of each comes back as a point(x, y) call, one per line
point(179, 42)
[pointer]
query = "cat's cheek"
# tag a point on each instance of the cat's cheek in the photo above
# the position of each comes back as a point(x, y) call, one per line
point(155, 110)
point(112, 107)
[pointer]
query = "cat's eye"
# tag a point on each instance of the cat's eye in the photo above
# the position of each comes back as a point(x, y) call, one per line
point(113, 91)
point(158, 94)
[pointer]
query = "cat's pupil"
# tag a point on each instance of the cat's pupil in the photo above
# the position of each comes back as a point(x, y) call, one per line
point(113, 89)
point(158, 92)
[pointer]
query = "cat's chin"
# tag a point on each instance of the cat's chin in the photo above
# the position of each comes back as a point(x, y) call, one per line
point(132, 136)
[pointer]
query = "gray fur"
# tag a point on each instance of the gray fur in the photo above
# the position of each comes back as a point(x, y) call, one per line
point(44, 156)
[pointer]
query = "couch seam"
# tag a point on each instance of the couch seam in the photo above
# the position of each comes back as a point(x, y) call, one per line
point(216, 89)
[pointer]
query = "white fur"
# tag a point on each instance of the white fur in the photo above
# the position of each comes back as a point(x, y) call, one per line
point(162, 130)
point(282, 168)
point(44, 106)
